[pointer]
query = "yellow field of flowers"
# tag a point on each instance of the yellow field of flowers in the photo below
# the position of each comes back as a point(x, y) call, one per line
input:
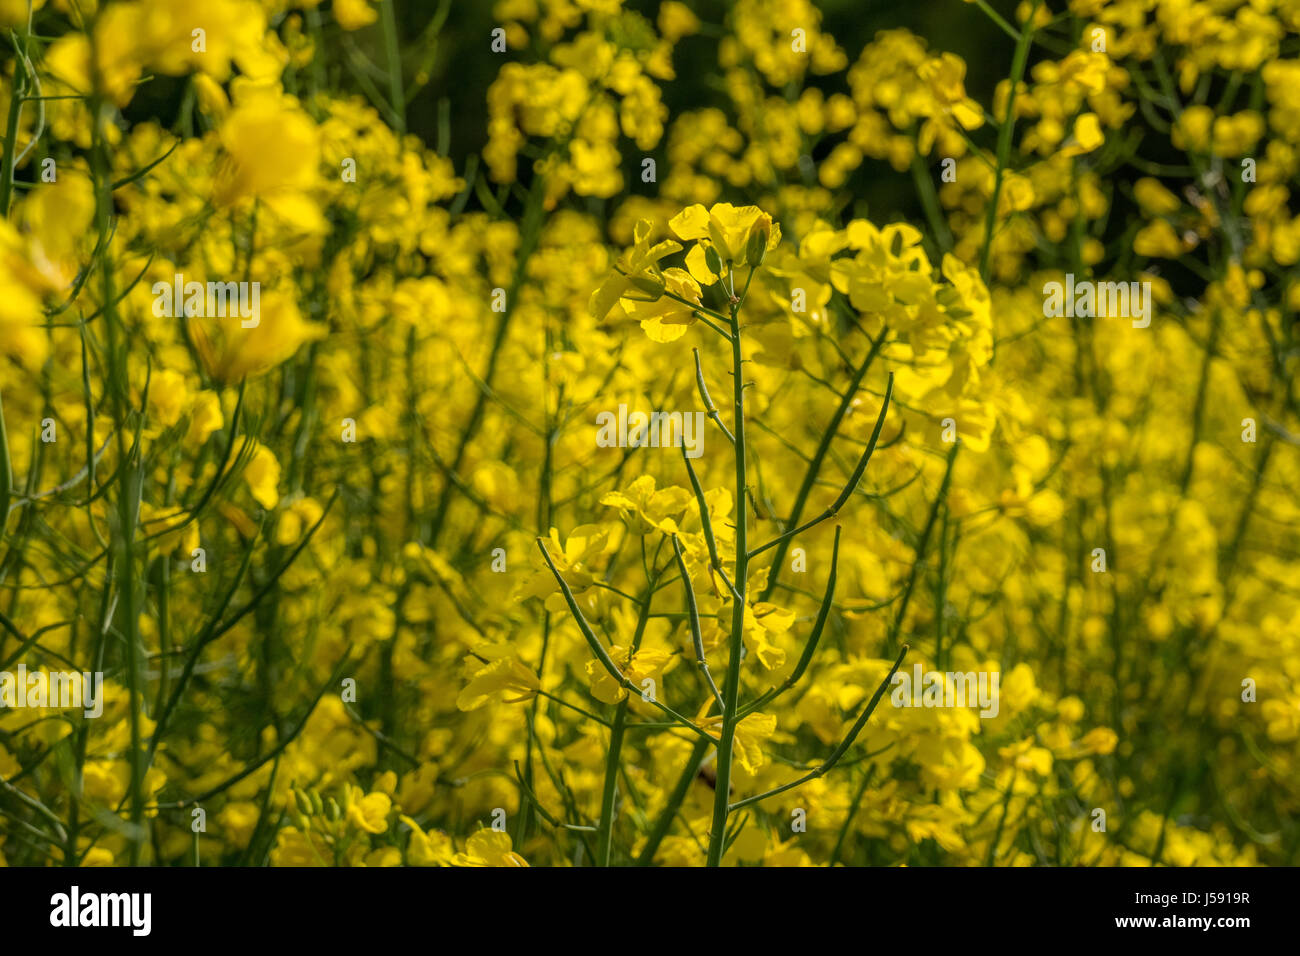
point(623, 489)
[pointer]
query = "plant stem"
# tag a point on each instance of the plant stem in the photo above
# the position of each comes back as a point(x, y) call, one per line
point(997, 18)
point(617, 732)
point(11, 140)
point(839, 751)
point(815, 465)
point(129, 485)
point(731, 684)
point(925, 191)
point(853, 811)
point(606, 835)
point(6, 473)
point(1004, 136)
point(689, 772)
point(393, 58)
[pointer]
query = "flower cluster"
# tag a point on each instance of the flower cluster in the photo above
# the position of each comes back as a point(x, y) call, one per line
point(297, 437)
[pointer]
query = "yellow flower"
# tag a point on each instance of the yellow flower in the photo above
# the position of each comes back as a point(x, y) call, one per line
point(1025, 756)
point(573, 559)
point(233, 348)
point(368, 812)
point(1087, 136)
point(1157, 239)
point(14, 13)
point(1192, 131)
point(489, 848)
point(677, 20)
point(98, 856)
point(750, 733)
point(1086, 71)
point(1099, 740)
point(637, 274)
point(23, 289)
point(212, 98)
point(1154, 198)
point(57, 218)
point(727, 229)
point(249, 168)
point(168, 397)
point(1017, 192)
point(163, 35)
point(354, 14)
point(205, 418)
point(667, 319)
point(239, 819)
point(762, 622)
point(646, 664)
point(262, 475)
point(1236, 135)
point(293, 847)
point(646, 509)
point(297, 519)
point(428, 849)
point(497, 679)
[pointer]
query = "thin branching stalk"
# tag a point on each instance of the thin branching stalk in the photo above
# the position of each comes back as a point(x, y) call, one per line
point(1018, 63)
point(694, 615)
point(735, 643)
point(602, 655)
point(839, 751)
point(823, 446)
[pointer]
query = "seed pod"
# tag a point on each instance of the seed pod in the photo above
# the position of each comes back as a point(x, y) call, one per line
point(712, 261)
point(651, 282)
point(719, 240)
point(756, 248)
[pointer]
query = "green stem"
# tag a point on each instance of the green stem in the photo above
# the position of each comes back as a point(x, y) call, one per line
point(128, 495)
point(616, 735)
point(997, 18)
point(921, 547)
point(925, 191)
point(6, 471)
point(11, 141)
point(731, 684)
point(693, 613)
point(815, 465)
point(393, 57)
point(853, 812)
point(1004, 137)
point(690, 771)
point(598, 649)
point(606, 836)
point(829, 763)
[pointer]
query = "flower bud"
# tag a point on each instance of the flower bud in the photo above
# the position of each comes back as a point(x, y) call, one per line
point(651, 282)
point(756, 248)
point(719, 239)
point(712, 261)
